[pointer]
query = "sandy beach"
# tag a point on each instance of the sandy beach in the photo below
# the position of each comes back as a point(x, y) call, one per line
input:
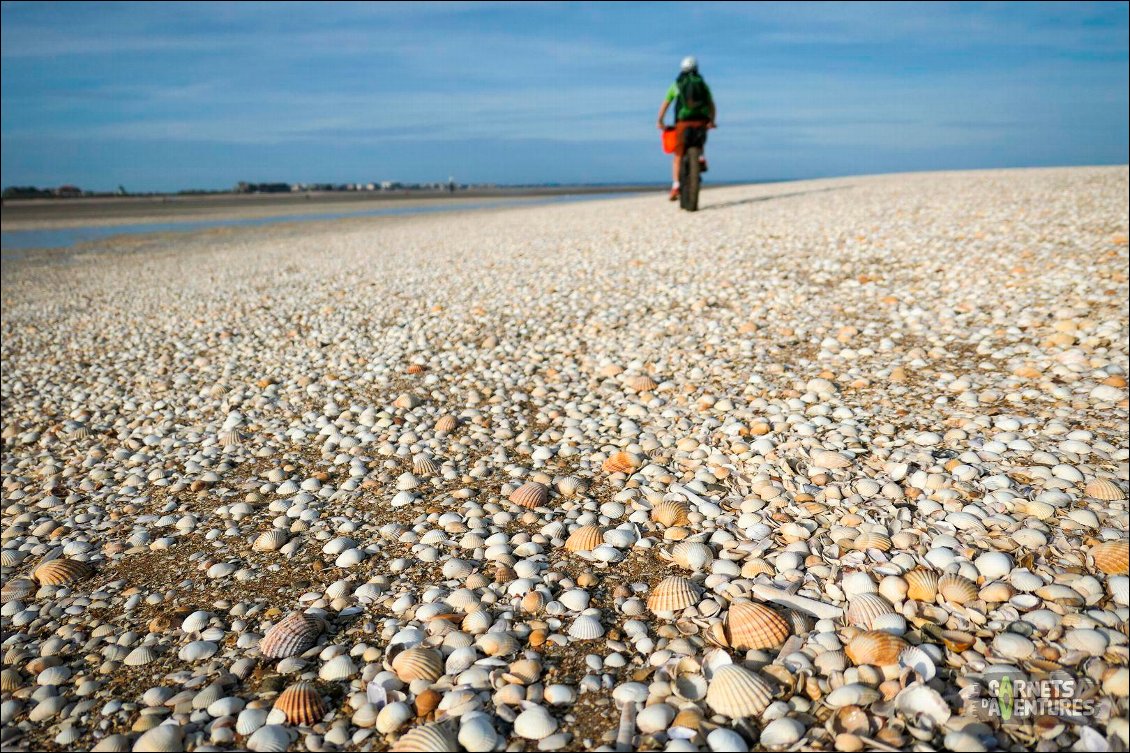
point(512, 479)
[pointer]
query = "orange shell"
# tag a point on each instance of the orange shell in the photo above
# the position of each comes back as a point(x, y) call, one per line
point(418, 663)
point(957, 589)
point(530, 494)
point(1104, 489)
point(447, 424)
point(673, 594)
point(621, 462)
point(1112, 557)
point(875, 647)
point(301, 704)
point(61, 572)
point(921, 584)
point(585, 538)
point(670, 512)
point(755, 626)
point(641, 383)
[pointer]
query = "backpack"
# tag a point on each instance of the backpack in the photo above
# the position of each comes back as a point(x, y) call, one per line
point(694, 98)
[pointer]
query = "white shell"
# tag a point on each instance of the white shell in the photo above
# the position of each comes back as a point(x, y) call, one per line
point(918, 660)
point(477, 734)
point(535, 723)
point(198, 650)
point(164, 737)
point(339, 668)
point(576, 599)
point(139, 656)
point(271, 738)
point(586, 628)
point(393, 716)
point(250, 720)
point(920, 702)
point(196, 621)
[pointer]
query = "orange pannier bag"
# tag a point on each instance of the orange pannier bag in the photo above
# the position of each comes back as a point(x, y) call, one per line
point(670, 140)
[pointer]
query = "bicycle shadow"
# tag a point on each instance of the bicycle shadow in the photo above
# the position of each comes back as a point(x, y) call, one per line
point(771, 197)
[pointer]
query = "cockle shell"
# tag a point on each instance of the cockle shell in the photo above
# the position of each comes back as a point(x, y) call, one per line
point(621, 462)
point(61, 572)
point(737, 692)
point(670, 512)
point(585, 538)
point(830, 460)
point(499, 644)
point(406, 401)
point(918, 660)
point(692, 555)
point(271, 541)
point(1112, 557)
point(428, 737)
point(163, 737)
point(957, 589)
point(339, 668)
point(17, 589)
point(302, 704)
point(864, 608)
point(642, 383)
point(533, 602)
point(586, 628)
point(422, 465)
point(113, 744)
point(140, 656)
point(270, 738)
point(292, 635)
point(446, 424)
point(750, 625)
point(418, 663)
point(872, 540)
point(535, 723)
point(875, 647)
point(230, 438)
point(476, 733)
point(530, 494)
point(570, 486)
point(250, 720)
point(1104, 489)
point(922, 584)
point(673, 594)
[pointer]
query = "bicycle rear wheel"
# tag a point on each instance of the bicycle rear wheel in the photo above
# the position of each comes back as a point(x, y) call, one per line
point(689, 180)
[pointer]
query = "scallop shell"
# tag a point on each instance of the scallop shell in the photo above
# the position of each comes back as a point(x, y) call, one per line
point(533, 602)
point(530, 494)
point(621, 462)
point(270, 738)
point(830, 460)
point(428, 737)
point(292, 635)
point(113, 744)
point(271, 541)
point(585, 538)
point(230, 439)
point(750, 625)
point(570, 486)
point(163, 737)
point(1104, 489)
point(415, 368)
point(875, 647)
point(643, 383)
point(918, 660)
point(477, 734)
point(340, 667)
point(17, 589)
point(957, 589)
point(673, 594)
point(535, 723)
point(406, 401)
point(499, 644)
point(61, 572)
point(250, 720)
point(872, 540)
point(447, 424)
point(140, 656)
point(670, 512)
point(586, 628)
point(737, 692)
point(418, 663)
point(1112, 557)
point(922, 584)
point(422, 465)
point(302, 704)
point(864, 608)
point(692, 555)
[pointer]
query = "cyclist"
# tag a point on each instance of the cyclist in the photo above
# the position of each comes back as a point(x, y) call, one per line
point(694, 106)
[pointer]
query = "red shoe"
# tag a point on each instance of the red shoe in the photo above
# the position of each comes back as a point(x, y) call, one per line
point(674, 195)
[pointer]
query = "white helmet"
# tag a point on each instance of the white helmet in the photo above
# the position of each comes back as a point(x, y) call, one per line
point(689, 63)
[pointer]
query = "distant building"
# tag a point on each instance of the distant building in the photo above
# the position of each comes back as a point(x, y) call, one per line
point(68, 192)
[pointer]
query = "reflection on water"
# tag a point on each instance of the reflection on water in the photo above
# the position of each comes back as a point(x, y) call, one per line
point(14, 241)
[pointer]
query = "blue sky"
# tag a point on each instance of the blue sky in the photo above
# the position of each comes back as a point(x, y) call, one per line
point(163, 96)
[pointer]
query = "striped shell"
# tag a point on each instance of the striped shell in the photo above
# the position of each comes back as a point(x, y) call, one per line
point(957, 589)
point(570, 486)
point(113, 744)
point(292, 635)
point(418, 663)
point(422, 465)
point(875, 647)
point(535, 723)
point(428, 737)
point(447, 424)
point(750, 625)
point(415, 368)
point(864, 608)
point(339, 668)
point(871, 540)
point(921, 584)
point(737, 692)
point(230, 439)
point(642, 383)
point(140, 656)
point(533, 602)
point(270, 738)
point(670, 512)
point(499, 644)
point(586, 628)
point(79, 433)
point(1104, 489)
point(621, 462)
point(406, 401)
point(530, 494)
point(830, 460)
point(10, 681)
point(250, 720)
point(1111, 557)
point(302, 704)
point(673, 594)
point(17, 589)
point(271, 541)
point(163, 737)
point(61, 572)
point(692, 555)
point(585, 538)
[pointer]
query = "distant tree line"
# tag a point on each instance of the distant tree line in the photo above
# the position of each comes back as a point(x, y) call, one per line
point(27, 192)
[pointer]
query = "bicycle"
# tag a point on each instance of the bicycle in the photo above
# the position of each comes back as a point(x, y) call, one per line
point(690, 166)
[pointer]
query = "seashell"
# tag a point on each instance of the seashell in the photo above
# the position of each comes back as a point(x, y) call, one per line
point(140, 656)
point(250, 720)
point(418, 663)
point(427, 737)
point(856, 583)
point(446, 424)
point(872, 540)
point(406, 401)
point(922, 584)
point(302, 704)
point(570, 486)
point(750, 625)
point(393, 716)
point(918, 660)
point(692, 555)
point(831, 661)
point(1104, 489)
point(621, 462)
point(291, 636)
point(530, 494)
point(918, 703)
point(523, 672)
point(339, 668)
point(864, 608)
point(422, 465)
point(957, 589)
point(61, 572)
point(477, 734)
point(852, 694)
point(673, 594)
point(269, 738)
point(197, 650)
point(1112, 557)
point(533, 602)
point(113, 744)
point(499, 644)
point(875, 647)
point(196, 621)
point(17, 589)
point(586, 628)
point(163, 737)
point(10, 681)
point(830, 460)
point(670, 512)
point(230, 438)
point(271, 541)
point(642, 383)
point(585, 538)
point(535, 723)
point(737, 692)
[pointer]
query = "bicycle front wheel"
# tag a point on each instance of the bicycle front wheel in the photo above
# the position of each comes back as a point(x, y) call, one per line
point(690, 181)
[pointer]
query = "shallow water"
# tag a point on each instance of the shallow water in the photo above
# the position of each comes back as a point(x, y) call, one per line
point(13, 242)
